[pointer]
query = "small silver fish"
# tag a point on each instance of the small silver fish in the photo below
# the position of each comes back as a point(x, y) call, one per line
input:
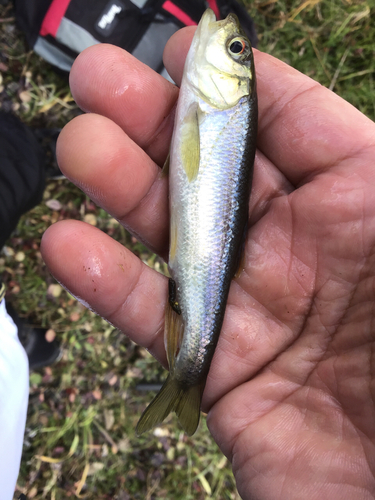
point(211, 164)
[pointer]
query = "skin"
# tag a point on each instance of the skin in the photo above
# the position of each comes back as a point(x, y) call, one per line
point(291, 390)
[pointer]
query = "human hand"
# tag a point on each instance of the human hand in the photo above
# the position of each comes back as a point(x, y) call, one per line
point(290, 393)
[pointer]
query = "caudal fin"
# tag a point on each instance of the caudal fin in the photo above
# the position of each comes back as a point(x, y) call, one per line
point(185, 401)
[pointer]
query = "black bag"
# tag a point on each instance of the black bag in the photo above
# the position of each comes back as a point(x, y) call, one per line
point(58, 30)
point(22, 173)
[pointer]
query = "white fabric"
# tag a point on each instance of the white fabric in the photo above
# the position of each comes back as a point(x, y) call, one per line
point(14, 393)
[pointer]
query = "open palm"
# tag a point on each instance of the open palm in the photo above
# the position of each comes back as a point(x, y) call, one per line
point(291, 390)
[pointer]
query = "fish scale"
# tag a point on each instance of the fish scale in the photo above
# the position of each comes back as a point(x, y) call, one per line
point(207, 228)
point(211, 162)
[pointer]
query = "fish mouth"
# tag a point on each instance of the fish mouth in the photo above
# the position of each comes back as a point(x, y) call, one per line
point(208, 17)
point(204, 24)
point(208, 24)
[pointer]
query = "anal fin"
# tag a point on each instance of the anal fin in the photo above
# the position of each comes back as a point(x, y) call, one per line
point(174, 326)
point(174, 395)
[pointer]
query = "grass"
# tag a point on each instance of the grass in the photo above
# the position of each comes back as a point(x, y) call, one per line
point(331, 41)
point(80, 440)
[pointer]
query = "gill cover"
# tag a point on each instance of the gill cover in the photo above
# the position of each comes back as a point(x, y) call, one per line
point(219, 65)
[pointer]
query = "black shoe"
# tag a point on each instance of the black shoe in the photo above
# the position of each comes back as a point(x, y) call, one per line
point(39, 351)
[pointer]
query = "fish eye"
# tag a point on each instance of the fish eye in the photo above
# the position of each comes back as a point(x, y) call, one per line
point(237, 47)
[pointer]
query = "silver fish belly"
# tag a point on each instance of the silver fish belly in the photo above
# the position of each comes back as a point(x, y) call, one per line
point(210, 214)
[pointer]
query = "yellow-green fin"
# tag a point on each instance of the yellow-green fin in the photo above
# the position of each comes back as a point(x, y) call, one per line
point(185, 401)
point(173, 334)
point(190, 146)
point(173, 396)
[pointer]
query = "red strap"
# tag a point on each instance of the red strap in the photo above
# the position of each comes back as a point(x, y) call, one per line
point(215, 8)
point(178, 13)
point(52, 19)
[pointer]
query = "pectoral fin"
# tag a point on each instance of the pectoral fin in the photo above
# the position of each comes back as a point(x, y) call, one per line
point(190, 146)
point(173, 240)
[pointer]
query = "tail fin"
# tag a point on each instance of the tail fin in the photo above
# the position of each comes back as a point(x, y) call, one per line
point(185, 401)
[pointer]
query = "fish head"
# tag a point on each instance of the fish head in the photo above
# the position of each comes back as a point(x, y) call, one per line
point(220, 65)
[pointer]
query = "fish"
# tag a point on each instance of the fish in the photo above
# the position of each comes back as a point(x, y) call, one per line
point(210, 174)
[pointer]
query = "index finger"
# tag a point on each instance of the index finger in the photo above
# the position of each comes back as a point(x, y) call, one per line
point(108, 81)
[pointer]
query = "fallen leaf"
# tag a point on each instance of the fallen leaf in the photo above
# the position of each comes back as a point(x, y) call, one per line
point(33, 492)
point(43, 419)
point(133, 372)
point(25, 96)
point(54, 204)
point(94, 468)
point(50, 335)
point(75, 316)
point(109, 419)
point(90, 219)
point(161, 432)
point(97, 394)
point(123, 445)
point(20, 256)
point(9, 252)
point(54, 290)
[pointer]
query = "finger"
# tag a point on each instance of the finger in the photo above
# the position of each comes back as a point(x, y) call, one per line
point(175, 52)
point(96, 154)
point(109, 81)
point(304, 128)
point(109, 279)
